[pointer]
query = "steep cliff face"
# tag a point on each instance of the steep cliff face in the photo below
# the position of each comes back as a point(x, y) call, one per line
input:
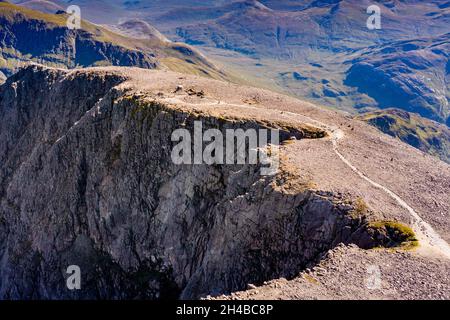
point(86, 179)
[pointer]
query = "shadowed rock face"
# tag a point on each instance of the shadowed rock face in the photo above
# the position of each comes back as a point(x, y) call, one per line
point(86, 179)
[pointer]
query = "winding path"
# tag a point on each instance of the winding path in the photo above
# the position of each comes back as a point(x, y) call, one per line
point(425, 233)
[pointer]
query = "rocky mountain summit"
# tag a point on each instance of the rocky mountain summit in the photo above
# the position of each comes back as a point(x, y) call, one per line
point(87, 179)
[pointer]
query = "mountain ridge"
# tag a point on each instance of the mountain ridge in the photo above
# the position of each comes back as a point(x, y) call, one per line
point(112, 202)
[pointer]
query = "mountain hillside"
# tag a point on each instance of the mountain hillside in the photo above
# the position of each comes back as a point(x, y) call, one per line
point(411, 75)
point(87, 179)
point(426, 135)
point(44, 5)
point(252, 28)
point(28, 35)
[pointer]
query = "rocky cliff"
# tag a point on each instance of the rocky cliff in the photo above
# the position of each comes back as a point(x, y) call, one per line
point(86, 179)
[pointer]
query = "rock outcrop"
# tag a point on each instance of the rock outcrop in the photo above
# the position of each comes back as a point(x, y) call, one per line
point(86, 179)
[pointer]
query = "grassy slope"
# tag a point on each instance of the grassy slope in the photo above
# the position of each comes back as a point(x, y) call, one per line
point(174, 56)
point(424, 134)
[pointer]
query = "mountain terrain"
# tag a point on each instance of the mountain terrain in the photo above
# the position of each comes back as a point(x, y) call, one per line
point(328, 51)
point(86, 178)
point(320, 51)
point(426, 135)
point(31, 36)
point(411, 75)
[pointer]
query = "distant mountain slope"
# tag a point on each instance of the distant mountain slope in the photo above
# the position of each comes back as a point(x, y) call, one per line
point(140, 29)
point(43, 5)
point(426, 135)
point(28, 35)
point(411, 75)
point(323, 51)
point(253, 28)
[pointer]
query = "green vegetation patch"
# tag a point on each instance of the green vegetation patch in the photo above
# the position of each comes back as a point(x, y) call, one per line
point(393, 234)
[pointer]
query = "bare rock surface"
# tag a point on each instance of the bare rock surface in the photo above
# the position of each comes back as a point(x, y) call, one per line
point(86, 179)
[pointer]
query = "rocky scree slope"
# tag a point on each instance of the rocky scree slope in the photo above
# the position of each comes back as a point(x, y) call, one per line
point(86, 179)
point(346, 273)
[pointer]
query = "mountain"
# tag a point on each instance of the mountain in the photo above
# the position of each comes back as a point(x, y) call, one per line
point(357, 206)
point(87, 179)
point(32, 36)
point(45, 6)
point(136, 28)
point(322, 51)
point(426, 135)
point(253, 28)
point(412, 75)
